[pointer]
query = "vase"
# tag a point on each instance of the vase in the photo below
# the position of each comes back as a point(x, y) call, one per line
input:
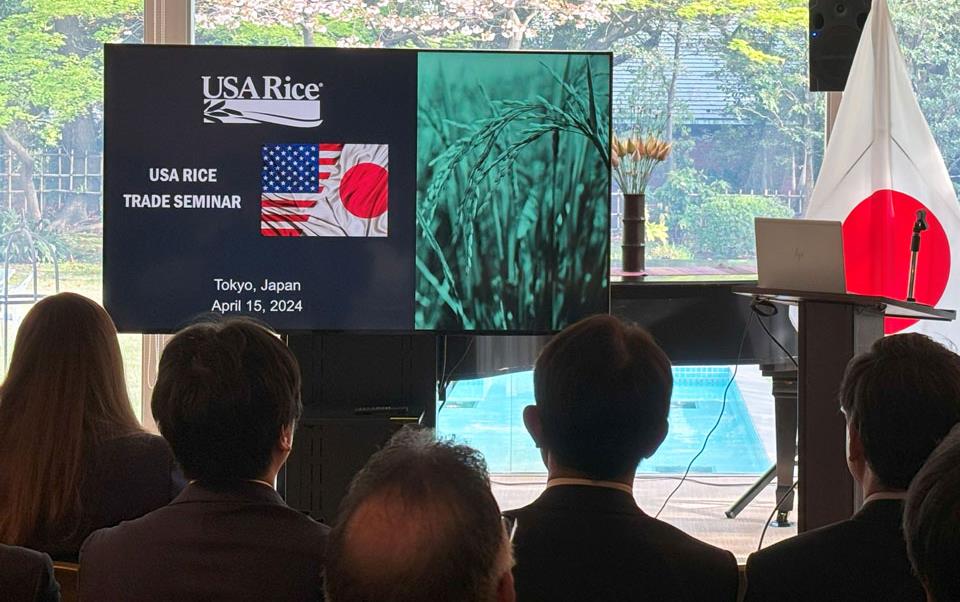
point(634, 234)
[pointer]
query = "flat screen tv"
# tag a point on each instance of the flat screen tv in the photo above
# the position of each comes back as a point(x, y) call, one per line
point(356, 190)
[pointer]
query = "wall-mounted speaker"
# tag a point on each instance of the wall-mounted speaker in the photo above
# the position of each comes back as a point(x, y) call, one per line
point(835, 28)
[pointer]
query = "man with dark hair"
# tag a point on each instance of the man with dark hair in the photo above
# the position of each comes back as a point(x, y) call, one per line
point(227, 400)
point(899, 400)
point(602, 398)
point(420, 525)
point(931, 521)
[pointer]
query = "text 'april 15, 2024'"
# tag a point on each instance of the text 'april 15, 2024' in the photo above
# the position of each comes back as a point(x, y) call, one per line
point(263, 297)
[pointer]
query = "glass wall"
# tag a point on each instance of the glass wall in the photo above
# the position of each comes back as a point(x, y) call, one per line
point(723, 83)
point(487, 413)
point(51, 142)
point(929, 33)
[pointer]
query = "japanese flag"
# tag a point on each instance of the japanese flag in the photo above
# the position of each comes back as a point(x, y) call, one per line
point(881, 166)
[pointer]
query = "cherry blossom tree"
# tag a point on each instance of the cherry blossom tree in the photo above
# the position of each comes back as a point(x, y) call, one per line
point(419, 23)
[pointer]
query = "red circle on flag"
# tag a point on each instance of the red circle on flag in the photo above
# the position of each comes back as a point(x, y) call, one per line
point(363, 190)
point(876, 248)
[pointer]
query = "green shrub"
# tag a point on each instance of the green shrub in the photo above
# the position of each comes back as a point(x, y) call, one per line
point(722, 227)
point(23, 241)
point(668, 252)
point(658, 242)
point(683, 186)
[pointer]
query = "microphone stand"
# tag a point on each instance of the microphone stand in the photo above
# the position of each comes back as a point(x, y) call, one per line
point(918, 227)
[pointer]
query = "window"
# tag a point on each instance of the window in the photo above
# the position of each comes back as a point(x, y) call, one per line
point(929, 32)
point(725, 85)
point(51, 142)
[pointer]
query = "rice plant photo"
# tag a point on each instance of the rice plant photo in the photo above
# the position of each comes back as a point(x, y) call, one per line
point(513, 190)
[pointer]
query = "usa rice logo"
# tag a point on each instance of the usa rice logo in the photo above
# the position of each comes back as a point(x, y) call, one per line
point(268, 99)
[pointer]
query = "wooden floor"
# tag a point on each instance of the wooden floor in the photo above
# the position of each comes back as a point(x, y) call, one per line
point(697, 508)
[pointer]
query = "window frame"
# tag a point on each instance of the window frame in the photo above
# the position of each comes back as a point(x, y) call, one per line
point(164, 22)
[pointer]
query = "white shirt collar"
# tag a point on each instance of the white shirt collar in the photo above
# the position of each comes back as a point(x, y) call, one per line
point(885, 495)
point(558, 482)
point(258, 481)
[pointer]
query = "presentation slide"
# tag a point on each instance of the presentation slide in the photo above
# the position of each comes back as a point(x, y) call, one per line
point(356, 190)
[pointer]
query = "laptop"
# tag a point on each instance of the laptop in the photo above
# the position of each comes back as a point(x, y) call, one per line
point(800, 255)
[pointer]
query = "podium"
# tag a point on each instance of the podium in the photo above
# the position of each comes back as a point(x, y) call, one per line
point(833, 328)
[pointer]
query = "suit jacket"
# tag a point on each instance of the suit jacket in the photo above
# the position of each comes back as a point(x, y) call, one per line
point(591, 543)
point(864, 558)
point(230, 542)
point(124, 478)
point(26, 576)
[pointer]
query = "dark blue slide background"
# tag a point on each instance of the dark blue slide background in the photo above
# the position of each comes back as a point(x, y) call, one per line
point(159, 264)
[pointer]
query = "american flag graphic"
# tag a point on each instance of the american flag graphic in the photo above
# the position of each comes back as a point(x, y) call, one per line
point(326, 189)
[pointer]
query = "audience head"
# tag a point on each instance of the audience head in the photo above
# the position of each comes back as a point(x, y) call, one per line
point(227, 400)
point(900, 399)
point(64, 393)
point(931, 521)
point(602, 398)
point(420, 524)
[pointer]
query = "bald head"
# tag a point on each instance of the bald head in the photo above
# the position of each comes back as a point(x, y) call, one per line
point(419, 524)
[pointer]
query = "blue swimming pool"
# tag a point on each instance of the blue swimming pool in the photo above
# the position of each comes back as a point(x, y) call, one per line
point(487, 414)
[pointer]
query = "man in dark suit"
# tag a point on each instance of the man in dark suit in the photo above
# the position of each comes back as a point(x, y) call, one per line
point(26, 576)
point(227, 400)
point(420, 524)
point(899, 399)
point(602, 398)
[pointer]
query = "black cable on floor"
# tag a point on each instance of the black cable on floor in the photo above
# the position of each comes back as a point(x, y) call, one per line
point(765, 309)
point(716, 425)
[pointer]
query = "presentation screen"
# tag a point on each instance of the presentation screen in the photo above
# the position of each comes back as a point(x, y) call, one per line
point(358, 190)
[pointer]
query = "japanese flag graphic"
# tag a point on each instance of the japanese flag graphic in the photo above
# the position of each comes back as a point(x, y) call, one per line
point(327, 189)
point(881, 166)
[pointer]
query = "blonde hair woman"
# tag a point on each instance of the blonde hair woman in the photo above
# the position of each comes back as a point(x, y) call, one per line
point(73, 457)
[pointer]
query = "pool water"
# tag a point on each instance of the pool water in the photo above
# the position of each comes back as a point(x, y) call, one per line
point(487, 414)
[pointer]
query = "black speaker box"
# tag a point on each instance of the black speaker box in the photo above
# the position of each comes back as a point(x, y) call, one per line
point(835, 28)
point(327, 453)
point(343, 373)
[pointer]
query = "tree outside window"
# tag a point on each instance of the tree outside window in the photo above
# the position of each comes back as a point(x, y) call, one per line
point(51, 141)
point(726, 79)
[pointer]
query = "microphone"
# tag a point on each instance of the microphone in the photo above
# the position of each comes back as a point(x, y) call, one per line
point(918, 227)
